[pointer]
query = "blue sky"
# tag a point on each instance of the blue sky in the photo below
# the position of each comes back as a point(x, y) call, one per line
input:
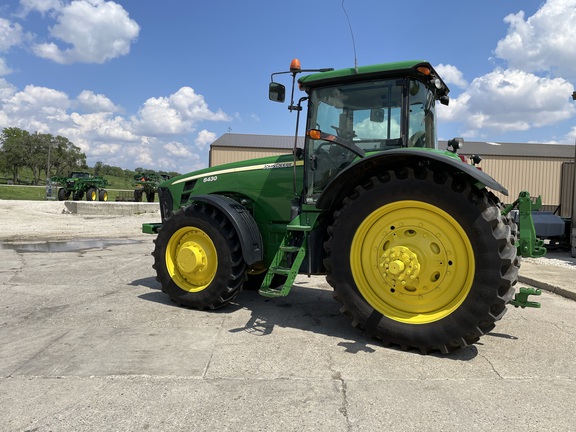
point(141, 83)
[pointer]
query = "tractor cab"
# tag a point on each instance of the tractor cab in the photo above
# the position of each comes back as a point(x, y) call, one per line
point(353, 113)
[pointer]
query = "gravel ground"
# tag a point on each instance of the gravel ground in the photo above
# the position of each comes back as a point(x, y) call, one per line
point(556, 259)
point(50, 220)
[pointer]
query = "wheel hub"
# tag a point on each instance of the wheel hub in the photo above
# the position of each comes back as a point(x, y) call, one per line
point(399, 265)
point(190, 258)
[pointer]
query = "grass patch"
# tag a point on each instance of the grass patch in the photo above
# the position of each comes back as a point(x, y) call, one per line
point(38, 193)
point(33, 193)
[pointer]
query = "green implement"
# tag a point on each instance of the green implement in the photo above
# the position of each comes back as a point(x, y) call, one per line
point(521, 298)
point(79, 183)
point(528, 244)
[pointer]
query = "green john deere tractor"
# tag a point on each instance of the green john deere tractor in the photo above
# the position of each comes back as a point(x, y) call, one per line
point(411, 238)
point(79, 183)
point(146, 183)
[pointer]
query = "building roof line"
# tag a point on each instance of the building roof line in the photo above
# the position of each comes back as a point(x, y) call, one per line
point(483, 148)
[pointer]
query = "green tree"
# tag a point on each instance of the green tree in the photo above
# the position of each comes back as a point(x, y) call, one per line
point(39, 152)
point(98, 168)
point(65, 156)
point(36, 148)
point(12, 150)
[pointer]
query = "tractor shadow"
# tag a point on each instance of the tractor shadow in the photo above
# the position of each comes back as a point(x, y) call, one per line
point(308, 308)
point(148, 282)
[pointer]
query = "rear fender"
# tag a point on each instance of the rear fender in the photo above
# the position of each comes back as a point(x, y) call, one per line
point(243, 222)
point(371, 166)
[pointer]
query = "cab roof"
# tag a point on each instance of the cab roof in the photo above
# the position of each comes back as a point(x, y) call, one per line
point(383, 70)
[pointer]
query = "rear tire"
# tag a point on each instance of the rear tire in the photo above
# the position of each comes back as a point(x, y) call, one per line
point(150, 196)
point(102, 195)
point(138, 195)
point(422, 260)
point(198, 259)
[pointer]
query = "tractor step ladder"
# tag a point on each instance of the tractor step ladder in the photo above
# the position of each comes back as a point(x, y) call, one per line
point(287, 261)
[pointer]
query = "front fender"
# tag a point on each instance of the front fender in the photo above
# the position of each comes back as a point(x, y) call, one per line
point(243, 222)
point(372, 165)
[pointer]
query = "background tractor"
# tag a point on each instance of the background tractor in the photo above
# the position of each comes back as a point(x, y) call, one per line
point(79, 183)
point(411, 238)
point(146, 183)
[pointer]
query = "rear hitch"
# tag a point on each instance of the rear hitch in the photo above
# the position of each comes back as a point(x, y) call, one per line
point(521, 298)
point(528, 244)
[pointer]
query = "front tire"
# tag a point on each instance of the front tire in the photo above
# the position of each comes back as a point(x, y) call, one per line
point(102, 195)
point(422, 259)
point(198, 259)
point(63, 194)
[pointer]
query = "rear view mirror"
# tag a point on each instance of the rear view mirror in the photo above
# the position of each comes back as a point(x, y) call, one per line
point(377, 115)
point(276, 92)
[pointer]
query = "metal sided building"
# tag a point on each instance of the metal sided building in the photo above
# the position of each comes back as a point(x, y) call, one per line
point(236, 147)
point(541, 169)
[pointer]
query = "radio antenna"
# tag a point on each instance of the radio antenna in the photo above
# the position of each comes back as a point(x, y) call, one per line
point(352, 34)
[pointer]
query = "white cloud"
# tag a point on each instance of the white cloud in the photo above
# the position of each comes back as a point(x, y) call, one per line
point(143, 156)
point(7, 90)
point(451, 75)
point(10, 34)
point(41, 6)
point(36, 102)
point(95, 30)
point(106, 149)
point(102, 127)
point(175, 114)
point(112, 138)
point(543, 42)
point(533, 88)
point(177, 149)
point(571, 135)
point(4, 69)
point(192, 106)
point(93, 102)
point(204, 138)
point(510, 100)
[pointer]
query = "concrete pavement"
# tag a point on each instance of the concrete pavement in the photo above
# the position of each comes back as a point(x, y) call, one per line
point(89, 342)
point(559, 279)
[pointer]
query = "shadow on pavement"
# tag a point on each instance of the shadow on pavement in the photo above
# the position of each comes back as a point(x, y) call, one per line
point(149, 282)
point(305, 308)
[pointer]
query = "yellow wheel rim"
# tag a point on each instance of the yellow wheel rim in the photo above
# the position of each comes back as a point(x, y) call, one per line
point(412, 262)
point(105, 196)
point(93, 196)
point(191, 259)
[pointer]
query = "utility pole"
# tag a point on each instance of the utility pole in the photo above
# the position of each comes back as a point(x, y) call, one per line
point(49, 186)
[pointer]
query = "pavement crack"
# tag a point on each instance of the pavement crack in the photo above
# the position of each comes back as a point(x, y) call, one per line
point(35, 356)
point(492, 366)
point(343, 389)
point(215, 346)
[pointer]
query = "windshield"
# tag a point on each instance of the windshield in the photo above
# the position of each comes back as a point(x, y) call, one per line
point(369, 114)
